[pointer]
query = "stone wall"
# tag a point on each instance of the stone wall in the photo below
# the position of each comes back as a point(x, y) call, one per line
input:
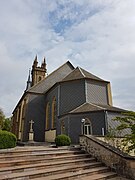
point(122, 163)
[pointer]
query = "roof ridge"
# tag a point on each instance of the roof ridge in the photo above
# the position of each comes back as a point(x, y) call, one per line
point(106, 106)
point(81, 71)
point(78, 107)
point(92, 74)
point(97, 106)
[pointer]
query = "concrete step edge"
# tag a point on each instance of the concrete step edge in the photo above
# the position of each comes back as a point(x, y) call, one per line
point(98, 176)
point(39, 154)
point(38, 165)
point(101, 176)
point(18, 150)
point(74, 175)
point(42, 172)
point(37, 159)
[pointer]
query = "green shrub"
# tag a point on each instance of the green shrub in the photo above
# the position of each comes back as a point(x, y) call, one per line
point(62, 140)
point(7, 140)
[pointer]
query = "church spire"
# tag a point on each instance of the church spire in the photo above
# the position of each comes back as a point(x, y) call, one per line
point(35, 58)
point(28, 82)
point(35, 63)
point(38, 72)
point(43, 65)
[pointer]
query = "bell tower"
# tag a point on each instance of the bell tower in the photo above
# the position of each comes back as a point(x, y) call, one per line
point(38, 73)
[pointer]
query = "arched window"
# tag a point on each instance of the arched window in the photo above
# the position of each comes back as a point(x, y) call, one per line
point(87, 128)
point(47, 116)
point(54, 113)
point(24, 109)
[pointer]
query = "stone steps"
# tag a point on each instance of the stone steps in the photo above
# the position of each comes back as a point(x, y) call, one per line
point(38, 154)
point(51, 164)
point(21, 151)
point(92, 174)
point(81, 170)
point(42, 165)
point(9, 163)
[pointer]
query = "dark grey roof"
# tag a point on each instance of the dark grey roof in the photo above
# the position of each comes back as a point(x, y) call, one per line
point(89, 107)
point(112, 108)
point(80, 73)
point(53, 78)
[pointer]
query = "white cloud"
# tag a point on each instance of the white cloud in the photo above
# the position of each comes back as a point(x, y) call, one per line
point(97, 35)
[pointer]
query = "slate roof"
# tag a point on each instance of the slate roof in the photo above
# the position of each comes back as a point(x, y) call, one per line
point(49, 81)
point(53, 78)
point(89, 107)
point(80, 73)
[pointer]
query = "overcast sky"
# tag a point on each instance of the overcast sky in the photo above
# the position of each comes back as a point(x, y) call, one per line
point(97, 35)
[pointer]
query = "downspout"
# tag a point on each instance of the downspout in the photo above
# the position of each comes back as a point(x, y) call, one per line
point(58, 127)
point(86, 93)
point(68, 126)
point(58, 109)
point(106, 122)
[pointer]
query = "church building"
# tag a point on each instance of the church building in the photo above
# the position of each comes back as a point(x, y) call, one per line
point(68, 101)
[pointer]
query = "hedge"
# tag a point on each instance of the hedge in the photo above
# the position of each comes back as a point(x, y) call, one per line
point(62, 140)
point(7, 140)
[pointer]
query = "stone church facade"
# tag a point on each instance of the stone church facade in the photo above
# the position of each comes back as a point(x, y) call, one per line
point(68, 101)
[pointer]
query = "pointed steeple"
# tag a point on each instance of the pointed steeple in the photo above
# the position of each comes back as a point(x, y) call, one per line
point(43, 65)
point(28, 81)
point(35, 58)
point(44, 60)
point(35, 63)
point(38, 72)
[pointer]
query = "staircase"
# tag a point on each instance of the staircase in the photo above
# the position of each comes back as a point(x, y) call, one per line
point(51, 164)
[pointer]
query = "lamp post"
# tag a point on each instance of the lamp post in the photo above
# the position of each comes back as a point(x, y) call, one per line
point(82, 122)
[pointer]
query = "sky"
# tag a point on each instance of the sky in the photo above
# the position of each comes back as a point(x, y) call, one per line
point(97, 35)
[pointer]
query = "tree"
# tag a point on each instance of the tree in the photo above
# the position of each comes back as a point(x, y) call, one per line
point(2, 117)
point(127, 122)
point(7, 124)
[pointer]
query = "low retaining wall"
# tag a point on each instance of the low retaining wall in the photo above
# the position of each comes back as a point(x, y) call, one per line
point(122, 163)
